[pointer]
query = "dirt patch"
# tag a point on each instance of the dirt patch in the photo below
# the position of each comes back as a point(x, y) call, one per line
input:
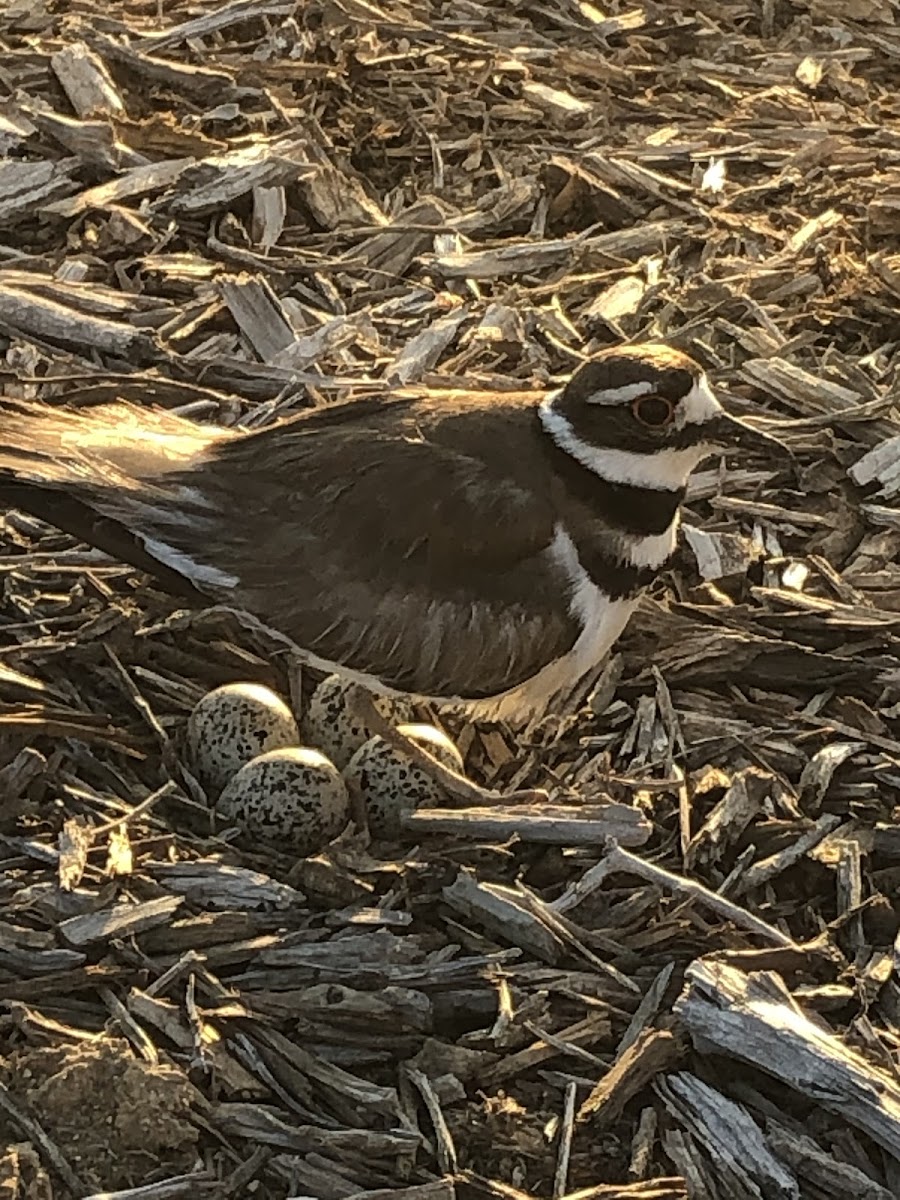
point(114, 1118)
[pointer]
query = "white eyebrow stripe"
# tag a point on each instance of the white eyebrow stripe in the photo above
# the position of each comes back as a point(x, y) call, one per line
point(699, 405)
point(621, 395)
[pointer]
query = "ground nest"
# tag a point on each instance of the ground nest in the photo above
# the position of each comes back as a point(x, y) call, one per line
point(240, 209)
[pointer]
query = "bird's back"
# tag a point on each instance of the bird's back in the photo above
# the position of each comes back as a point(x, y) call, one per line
point(376, 533)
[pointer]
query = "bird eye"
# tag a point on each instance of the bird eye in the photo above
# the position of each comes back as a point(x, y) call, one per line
point(653, 411)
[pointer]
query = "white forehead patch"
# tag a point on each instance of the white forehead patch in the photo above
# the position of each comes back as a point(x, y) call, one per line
point(698, 406)
point(620, 395)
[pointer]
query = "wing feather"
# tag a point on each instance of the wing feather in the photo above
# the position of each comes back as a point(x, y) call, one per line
point(361, 539)
point(352, 539)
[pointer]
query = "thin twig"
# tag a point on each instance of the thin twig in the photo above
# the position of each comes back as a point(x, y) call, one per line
point(566, 1127)
point(145, 805)
point(621, 860)
point(455, 784)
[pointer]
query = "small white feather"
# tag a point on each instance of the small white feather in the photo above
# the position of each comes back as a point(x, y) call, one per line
point(194, 572)
point(699, 406)
point(653, 550)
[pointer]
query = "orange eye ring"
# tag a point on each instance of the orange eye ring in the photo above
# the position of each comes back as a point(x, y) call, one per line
point(653, 412)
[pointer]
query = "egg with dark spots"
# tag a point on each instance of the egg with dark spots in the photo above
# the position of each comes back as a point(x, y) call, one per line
point(391, 784)
point(294, 797)
point(331, 725)
point(232, 725)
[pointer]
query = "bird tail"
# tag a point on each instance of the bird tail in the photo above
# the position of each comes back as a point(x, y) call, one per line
point(114, 476)
point(114, 446)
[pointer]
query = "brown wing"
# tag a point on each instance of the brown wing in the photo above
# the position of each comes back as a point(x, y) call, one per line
point(393, 556)
point(388, 554)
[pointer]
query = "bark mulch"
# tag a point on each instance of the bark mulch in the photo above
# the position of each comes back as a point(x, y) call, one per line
point(239, 209)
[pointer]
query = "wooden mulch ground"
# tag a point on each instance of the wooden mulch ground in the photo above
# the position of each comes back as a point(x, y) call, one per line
point(242, 208)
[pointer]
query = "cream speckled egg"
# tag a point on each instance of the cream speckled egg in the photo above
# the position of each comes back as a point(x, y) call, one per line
point(332, 728)
point(232, 725)
point(392, 785)
point(294, 796)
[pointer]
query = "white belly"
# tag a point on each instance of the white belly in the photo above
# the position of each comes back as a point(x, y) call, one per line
point(531, 699)
point(602, 621)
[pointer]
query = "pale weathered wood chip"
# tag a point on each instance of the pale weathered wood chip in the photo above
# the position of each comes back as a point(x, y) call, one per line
point(119, 921)
point(86, 81)
point(730, 1138)
point(549, 824)
point(753, 1019)
point(50, 322)
point(501, 912)
point(26, 186)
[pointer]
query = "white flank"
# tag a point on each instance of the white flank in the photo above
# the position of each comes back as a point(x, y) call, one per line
point(601, 620)
point(653, 549)
point(666, 470)
point(193, 571)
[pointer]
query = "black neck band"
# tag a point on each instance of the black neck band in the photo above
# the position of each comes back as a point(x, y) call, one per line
point(626, 506)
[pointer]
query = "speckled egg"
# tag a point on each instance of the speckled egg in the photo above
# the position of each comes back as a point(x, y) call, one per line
point(332, 728)
point(232, 725)
point(294, 796)
point(391, 785)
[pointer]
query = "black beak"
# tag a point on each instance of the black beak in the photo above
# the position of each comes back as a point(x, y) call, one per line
point(730, 433)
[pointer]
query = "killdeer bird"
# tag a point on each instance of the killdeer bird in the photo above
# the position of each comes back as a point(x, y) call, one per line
point(484, 548)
